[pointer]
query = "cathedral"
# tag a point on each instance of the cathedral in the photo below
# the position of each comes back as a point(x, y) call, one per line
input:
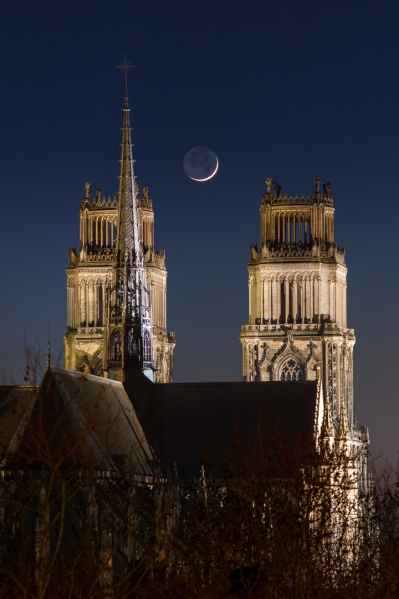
point(291, 417)
point(296, 335)
point(297, 325)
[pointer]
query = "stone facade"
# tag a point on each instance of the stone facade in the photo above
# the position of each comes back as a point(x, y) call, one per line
point(91, 278)
point(297, 327)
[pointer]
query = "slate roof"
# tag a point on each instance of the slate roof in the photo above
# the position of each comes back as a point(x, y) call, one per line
point(80, 419)
point(260, 426)
point(16, 403)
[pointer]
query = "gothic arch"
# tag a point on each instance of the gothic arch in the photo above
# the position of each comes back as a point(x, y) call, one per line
point(289, 360)
point(147, 353)
point(291, 370)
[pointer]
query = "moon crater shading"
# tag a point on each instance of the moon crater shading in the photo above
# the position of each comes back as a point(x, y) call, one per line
point(200, 164)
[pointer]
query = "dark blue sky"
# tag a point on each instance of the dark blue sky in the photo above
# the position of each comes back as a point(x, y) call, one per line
point(288, 89)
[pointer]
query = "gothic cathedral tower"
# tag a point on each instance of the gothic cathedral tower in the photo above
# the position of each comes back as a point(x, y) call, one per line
point(116, 282)
point(297, 299)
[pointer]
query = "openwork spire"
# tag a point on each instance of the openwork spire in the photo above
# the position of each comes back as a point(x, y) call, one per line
point(131, 313)
point(128, 232)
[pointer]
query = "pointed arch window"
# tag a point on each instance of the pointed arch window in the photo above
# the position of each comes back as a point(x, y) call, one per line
point(147, 354)
point(292, 371)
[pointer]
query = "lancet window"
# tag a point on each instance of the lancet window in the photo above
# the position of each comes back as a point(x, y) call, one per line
point(147, 347)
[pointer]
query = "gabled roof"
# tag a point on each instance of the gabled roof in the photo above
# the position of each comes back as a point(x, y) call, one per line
point(16, 404)
point(260, 426)
point(76, 419)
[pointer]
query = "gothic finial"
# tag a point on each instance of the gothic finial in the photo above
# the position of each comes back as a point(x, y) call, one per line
point(317, 187)
point(327, 189)
point(87, 190)
point(269, 185)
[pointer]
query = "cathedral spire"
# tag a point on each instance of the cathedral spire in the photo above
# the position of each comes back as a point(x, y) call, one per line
point(128, 231)
point(130, 337)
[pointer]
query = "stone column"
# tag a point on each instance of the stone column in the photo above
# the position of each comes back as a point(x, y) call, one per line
point(287, 298)
point(72, 305)
point(97, 286)
point(331, 305)
point(164, 306)
point(338, 303)
point(302, 297)
point(274, 297)
point(306, 290)
point(94, 302)
point(294, 299)
point(78, 304)
point(266, 295)
point(83, 304)
point(87, 296)
point(250, 293)
point(69, 306)
point(317, 296)
point(259, 296)
point(311, 296)
point(104, 288)
point(90, 294)
point(335, 299)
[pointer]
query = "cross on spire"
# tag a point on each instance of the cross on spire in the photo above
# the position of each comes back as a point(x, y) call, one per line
point(125, 67)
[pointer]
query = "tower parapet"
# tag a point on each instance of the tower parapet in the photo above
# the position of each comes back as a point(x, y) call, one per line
point(297, 219)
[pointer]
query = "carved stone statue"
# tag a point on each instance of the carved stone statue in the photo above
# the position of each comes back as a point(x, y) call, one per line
point(87, 190)
point(269, 185)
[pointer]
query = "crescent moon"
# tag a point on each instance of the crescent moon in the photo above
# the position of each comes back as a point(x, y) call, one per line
point(209, 176)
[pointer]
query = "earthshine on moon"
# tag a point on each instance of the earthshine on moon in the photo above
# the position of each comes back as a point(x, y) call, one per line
point(200, 164)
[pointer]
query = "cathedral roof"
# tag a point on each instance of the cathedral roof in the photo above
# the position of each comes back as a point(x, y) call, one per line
point(16, 404)
point(262, 426)
point(76, 418)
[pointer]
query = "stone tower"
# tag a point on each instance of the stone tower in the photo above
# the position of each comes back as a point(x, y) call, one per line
point(297, 298)
point(116, 282)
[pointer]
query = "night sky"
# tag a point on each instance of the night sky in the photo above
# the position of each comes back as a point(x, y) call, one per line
point(289, 90)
